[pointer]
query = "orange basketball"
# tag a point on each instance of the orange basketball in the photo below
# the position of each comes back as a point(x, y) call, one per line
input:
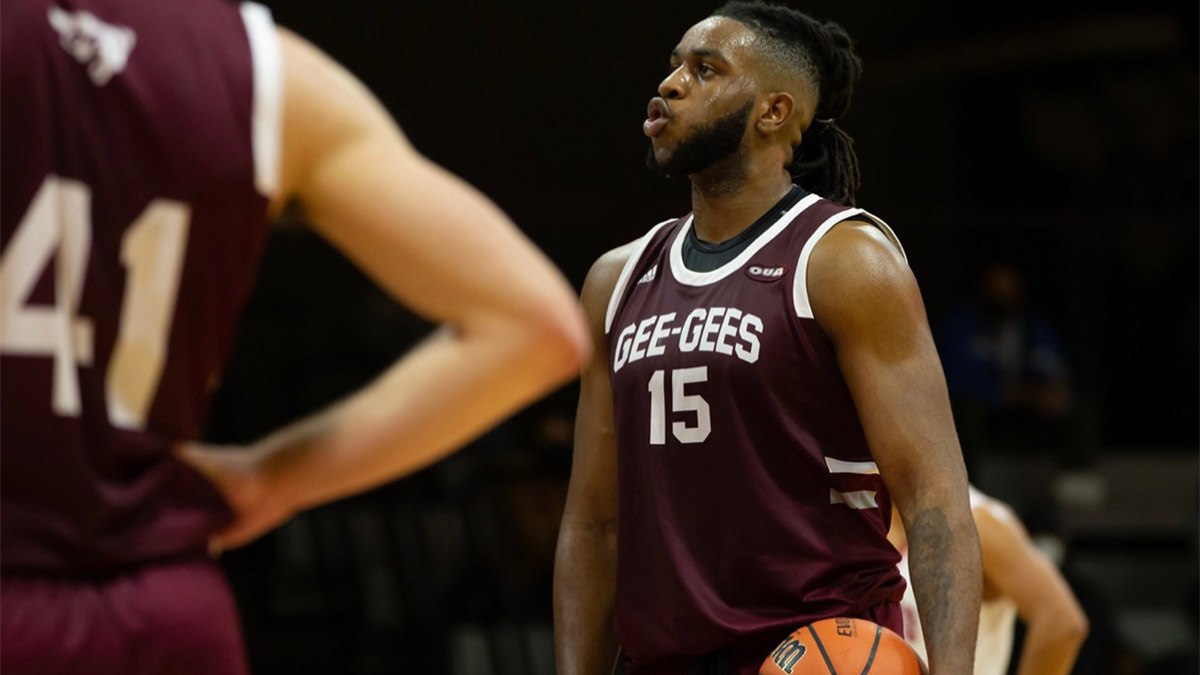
point(843, 647)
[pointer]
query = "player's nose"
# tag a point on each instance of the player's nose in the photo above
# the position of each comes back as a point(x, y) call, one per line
point(674, 85)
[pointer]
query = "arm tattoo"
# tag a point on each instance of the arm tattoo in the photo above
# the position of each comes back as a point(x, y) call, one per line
point(930, 564)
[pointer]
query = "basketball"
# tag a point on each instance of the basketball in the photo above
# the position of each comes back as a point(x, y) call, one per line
point(843, 647)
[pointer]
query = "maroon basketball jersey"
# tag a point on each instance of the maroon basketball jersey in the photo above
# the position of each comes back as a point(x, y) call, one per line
point(749, 503)
point(140, 141)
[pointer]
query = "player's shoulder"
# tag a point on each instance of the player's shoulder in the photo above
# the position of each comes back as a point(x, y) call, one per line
point(603, 276)
point(856, 265)
point(610, 269)
point(605, 273)
point(991, 512)
point(856, 242)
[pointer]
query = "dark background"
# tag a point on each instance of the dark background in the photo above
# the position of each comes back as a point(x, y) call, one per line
point(1061, 141)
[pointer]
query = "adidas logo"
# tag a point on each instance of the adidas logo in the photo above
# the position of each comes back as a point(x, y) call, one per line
point(103, 47)
point(649, 276)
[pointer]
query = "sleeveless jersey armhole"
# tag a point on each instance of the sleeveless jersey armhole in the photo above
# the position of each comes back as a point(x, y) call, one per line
point(614, 301)
point(800, 299)
point(267, 107)
point(887, 231)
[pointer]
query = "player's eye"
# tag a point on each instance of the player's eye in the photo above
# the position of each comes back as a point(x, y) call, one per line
point(704, 70)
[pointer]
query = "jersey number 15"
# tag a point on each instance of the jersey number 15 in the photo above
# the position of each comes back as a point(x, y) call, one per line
point(680, 402)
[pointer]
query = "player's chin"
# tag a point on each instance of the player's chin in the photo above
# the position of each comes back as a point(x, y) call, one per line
point(658, 156)
point(662, 153)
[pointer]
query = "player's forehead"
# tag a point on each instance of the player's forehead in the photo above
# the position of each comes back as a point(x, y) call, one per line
point(719, 36)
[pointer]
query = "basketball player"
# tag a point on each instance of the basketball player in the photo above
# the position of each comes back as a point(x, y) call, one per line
point(1018, 579)
point(146, 145)
point(768, 388)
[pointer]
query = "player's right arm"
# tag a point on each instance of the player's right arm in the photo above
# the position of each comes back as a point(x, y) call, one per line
point(585, 566)
point(1013, 567)
point(512, 328)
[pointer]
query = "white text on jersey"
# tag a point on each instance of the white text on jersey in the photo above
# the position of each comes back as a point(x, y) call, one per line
point(721, 330)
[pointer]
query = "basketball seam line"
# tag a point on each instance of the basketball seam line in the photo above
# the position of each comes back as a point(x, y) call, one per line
point(874, 647)
point(828, 663)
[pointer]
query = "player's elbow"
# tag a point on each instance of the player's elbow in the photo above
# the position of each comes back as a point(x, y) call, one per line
point(556, 335)
point(1073, 623)
point(1070, 632)
point(1075, 626)
point(586, 535)
point(590, 521)
point(1066, 625)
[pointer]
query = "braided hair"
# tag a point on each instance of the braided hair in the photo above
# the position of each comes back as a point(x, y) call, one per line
point(822, 53)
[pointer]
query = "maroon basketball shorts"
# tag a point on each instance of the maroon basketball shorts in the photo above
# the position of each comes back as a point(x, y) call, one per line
point(176, 619)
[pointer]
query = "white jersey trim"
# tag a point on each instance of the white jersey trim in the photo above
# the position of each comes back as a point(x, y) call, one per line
point(266, 121)
point(857, 499)
point(622, 281)
point(842, 466)
point(689, 278)
point(800, 282)
point(887, 231)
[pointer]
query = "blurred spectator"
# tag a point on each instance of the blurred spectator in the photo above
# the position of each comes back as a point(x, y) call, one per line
point(1005, 367)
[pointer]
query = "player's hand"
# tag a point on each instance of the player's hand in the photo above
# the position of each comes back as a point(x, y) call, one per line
point(236, 474)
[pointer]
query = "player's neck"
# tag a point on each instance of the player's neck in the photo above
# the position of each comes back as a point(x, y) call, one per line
point(724, 202)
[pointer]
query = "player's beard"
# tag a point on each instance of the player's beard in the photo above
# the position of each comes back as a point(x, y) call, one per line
point(706, 146)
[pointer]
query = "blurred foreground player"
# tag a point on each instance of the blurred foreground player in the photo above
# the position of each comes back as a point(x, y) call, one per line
point(146, 144)
point(769, 386)
point(1018, 580)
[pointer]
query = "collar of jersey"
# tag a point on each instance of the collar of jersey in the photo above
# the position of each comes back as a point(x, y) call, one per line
point(689, 278)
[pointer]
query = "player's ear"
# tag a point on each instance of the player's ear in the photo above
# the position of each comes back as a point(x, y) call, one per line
point(778, 113)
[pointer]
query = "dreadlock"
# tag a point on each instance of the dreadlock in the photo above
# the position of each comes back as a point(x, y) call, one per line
point(823, 53)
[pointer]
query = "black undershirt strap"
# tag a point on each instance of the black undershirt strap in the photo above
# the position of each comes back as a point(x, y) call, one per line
point(704, 256)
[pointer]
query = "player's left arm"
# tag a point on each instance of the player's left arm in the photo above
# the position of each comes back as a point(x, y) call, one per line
point(1014, 568)
point(866, 299)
